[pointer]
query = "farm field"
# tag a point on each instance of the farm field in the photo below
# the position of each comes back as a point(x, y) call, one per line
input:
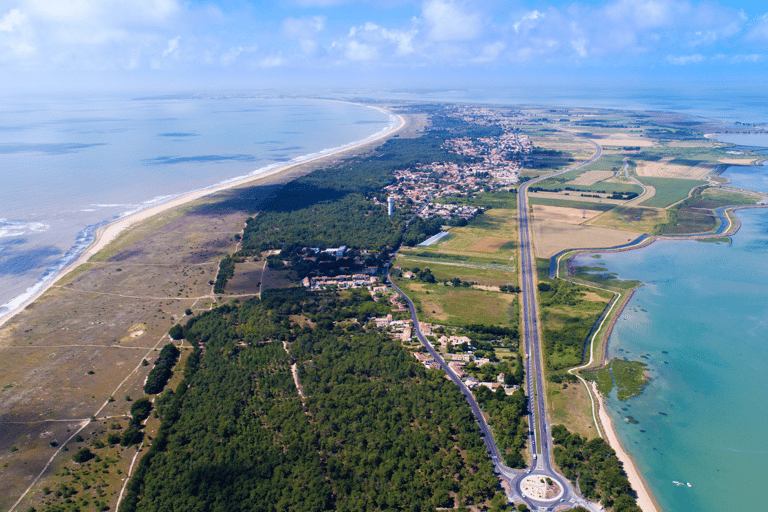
point(549, 238)
point(669, 190)
point(491, 235)
point(634, 219)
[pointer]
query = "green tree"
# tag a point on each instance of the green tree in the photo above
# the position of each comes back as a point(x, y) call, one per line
point(82, 455)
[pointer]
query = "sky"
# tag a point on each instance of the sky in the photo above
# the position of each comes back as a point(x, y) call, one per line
point(176, 45)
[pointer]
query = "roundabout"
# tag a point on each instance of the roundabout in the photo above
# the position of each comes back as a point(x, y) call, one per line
point(541, 488)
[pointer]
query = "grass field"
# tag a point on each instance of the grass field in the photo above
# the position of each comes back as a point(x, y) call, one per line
point(635, 219)
point(460, 306)
point(487, 274)
point(569, 405)
point(497, 224)
point(498, 199)
point(568, 203)
point(669, 190)
point(686, 221)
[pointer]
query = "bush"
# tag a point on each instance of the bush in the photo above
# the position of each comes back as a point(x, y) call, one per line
point(161, 373)
point(82, 455)
point(140, 410)
point(176, 332)
point(132, 435)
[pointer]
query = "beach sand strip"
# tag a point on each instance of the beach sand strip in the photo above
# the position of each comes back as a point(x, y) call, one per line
point(105, 235)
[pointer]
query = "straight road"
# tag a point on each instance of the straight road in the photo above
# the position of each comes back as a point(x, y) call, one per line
point(541, 441)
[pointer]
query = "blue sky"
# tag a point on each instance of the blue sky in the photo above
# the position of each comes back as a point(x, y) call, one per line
point(305, 44)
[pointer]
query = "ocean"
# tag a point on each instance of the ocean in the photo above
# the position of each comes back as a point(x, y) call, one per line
point(700, 322)
point(69, 165)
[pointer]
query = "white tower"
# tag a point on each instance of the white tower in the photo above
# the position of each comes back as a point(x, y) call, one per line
point(390, 205)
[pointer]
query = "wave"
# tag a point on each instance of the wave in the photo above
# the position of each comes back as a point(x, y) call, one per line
point(83, 239)
point(87, 235)
point(10, 228)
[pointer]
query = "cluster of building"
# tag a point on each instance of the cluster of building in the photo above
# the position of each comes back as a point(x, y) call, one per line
point(340, 282)
point(449, 211)
point(498, 160)
point(456, 362)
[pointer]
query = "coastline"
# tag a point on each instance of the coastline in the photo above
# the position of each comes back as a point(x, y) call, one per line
point(109, 232)
point(644, 498)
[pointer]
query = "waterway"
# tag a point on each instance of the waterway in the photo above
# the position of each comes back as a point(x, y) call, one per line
point(700, 322)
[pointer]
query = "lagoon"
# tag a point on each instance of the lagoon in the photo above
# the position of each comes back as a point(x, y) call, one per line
point(701, 323)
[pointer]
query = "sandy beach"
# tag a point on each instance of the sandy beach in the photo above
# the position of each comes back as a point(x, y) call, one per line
point(111, 231)
point(644, 498)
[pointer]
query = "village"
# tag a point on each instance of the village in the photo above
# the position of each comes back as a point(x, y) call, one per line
point(497, 164)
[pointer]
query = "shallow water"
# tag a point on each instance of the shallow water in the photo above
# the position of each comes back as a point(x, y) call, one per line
point(70, 164)
point(701, 323)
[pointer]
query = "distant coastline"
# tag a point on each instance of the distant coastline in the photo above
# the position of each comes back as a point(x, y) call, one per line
point(110, 231)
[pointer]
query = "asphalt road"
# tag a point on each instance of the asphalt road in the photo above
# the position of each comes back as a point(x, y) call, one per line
point(541, 442)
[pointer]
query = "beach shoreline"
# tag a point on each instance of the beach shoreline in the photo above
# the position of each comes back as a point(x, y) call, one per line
point(111, 231)
point(645, 499)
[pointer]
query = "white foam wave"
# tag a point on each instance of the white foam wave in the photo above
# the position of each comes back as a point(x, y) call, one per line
point(10, 228)
point(82, 241)
point(85, 237)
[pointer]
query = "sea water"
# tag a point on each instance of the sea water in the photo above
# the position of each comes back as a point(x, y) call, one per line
point(71, 164)
point(700, 322)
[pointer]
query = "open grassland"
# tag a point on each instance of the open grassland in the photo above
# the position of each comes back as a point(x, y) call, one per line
point(491, 235)
point(634, 219)
point(481, 273)
point(572, 200)
point(608, 162)
point(569, 405)
point(716, 198)
point(669, 191)
point(459, 306)
point(568, 313)
point(502, 199)
point(686, 221)
point(85, 339)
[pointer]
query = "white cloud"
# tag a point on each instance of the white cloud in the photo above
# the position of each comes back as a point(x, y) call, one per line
point(233, 53)
point(490, 52)
point(450, 21)
point(759, 31)
point(305, 31)
point(750, 58)
point(173, 47)
point(527, 19)
point(273, 61)
point(15, 35)
point(647, 13)
point(370, 41)
point(684, 60)
point(360, 51)
point(112, 12)
point(301, 28)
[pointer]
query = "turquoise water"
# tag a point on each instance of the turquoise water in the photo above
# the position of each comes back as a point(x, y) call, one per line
point(701, 323)
point(71, 164)
point(748, 177)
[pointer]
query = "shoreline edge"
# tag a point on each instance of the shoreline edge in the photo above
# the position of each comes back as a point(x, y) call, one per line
point(109, 232)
